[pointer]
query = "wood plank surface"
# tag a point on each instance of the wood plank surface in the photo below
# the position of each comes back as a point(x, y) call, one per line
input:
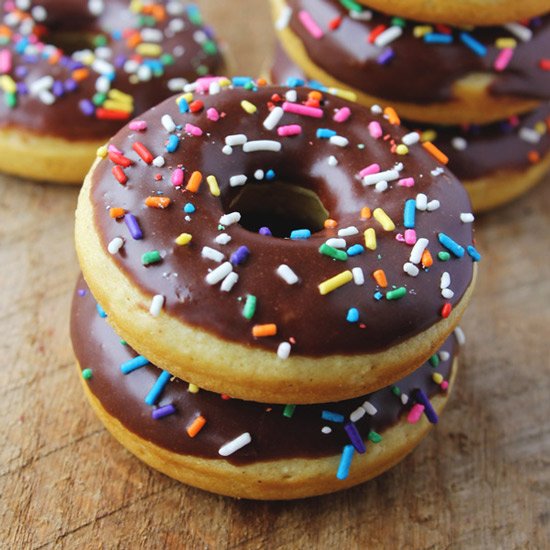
point(480, 480)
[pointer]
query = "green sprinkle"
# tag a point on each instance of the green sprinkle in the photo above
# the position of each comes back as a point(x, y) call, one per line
point(123, 342)
point(434, 361)
point(249, 307)
point(151, 257)
point(11, 100)
point(202, 70)
point(398, 22)
point(99, 40)
point(87, 374)
point(194, 15)
point(99, 99)
point(209, 47)
point(289, 410)
point(167, 59)
point(352, 5)
point(396, 294)
point(332, 252)
point(444, 256)
point(374, 437)
point(396, 391)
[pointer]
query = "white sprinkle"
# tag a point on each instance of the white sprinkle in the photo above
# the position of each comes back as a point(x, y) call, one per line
point(337, 243)
point(444, 355)
point(370, 409)
point(376, 110)
point(332, 161)
point(156, 305)
point(284, 18)
point(445, 281)
point(529, 135)
point(236, 181)
point(365, 15)
point(411, 269)
point(214, 88)
point(236, 140)
point(287, 274)
point(96, 7)
point(273, 118)
point(460, 336)
point(291, 96)
point(348, 231)
point(39, 13)
point(358, 276)
point(459, 143)
point(283, 350)
point(231, 218)
point(235, 444)
point(259, 175)
point(115, 245)
point(417, 250)
point(149, 34)
point(44, 83)
point(212, 254)
point(447, 293)
point(46, 97)
point(229, 282)
point(357, 414)
point(388, 36)
point(433, 205)
point(262, 145)
point(339, 141)
point(227, 150)
point(177, 84)
point(159, 161)
point(421, 201)
point(404, 398)
point(437, 171)
point(466, 217)
point(103, 67)
point(221, 272)
point(387, 175)
point(519, 31)
point(381, 186)
point(223, 238)
point(411, 138)
point(168, 123)
point(326, 430)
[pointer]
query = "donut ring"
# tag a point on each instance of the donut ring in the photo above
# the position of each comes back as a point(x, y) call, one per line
point(196, 267)
point(465, 80)
point(56, 109)
point(293, 452)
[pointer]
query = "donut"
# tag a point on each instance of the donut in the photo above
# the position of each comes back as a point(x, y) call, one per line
point(428, 73)
point(72, 73)
point(246, 449)
point(465, 12)
point(276, 243)
point(495, 162)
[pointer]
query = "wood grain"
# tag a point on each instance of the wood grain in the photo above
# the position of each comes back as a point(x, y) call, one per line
point(481, 480)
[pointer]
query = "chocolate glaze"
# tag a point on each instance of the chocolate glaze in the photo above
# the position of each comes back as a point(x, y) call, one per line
point(68, 19)
point(490, 148)
point(419, 72)
point(274, 436)
point(316, 323)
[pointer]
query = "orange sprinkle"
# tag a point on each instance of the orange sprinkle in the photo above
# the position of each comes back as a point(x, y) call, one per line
point(330, 223)
point(365, 213)
point(54, 58)
point(196, 426)
point(194, 182)
point(133, 40)
point(261, 82)
point(533, 157)
point(380, 278)
point(427, 260)
point(117, 212)
point(435, 152)
point(80, 74)
point(157, 202)
point(393, 118)
point(316, 95)
point(258, 331)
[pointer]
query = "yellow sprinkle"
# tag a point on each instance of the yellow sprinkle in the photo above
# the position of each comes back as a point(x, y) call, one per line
point(102, 151)
point(402, 149)
point(250, 108)
point(213, 185)
point(149, 50)
point(224, 82)
point(192, 388)
point(118, 106)
point(420, 30)
point(136, 6)
point(8, 84)
point(502, 43)
point(344, 94)
point(335, 282)
point(370, 238)
point(437, 378)
point(87, 59)
point(119, 96)
point(428, 135)
point(183, 239)
point(540, 127)
point(383, 219)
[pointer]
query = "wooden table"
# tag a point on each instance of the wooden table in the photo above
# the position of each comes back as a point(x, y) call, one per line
point(480, 480)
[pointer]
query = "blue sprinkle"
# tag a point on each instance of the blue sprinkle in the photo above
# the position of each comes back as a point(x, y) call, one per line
point(325, 133)
point(158, 387)
point(385, 57)
point(265, 231)
point(101, 311)
point(409, 214)
point(450, 245)
point(422, 398)
point(173, 143)
point(300, 234)
point(294, 82)
point(353, 315)
point(183, 105)
point(317, 85)
point(189, 208)
point(438, 38)
point(242, 81)
point(270, 175)
point(355, 250)
point(355, 437)
point(378, 295)
point(133, 364)
point(345, 462)
point(474, 254)
point(161, 412)
point(332, 416)
point(240, 255)
point(477, 47)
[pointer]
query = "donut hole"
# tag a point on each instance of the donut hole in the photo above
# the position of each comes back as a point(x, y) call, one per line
point(70, 42)
point(280, 206)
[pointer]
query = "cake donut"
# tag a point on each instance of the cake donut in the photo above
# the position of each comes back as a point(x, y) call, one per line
point(275, 243)
point(428, 73)
point(247, 449)
point(495, 162)
point(72, 73)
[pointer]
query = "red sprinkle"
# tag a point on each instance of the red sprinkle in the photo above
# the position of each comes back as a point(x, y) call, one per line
point(335, 23)
point(107, 114)
point(143, 152)
point(119, 174)
point(118, 158)
point(544, 64)
point(378, 30)
point(196, 106)
point(446, 310)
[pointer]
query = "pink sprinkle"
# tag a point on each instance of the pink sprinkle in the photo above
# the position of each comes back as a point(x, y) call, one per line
point(309, 23)
point(5, 61)
point(203, 84)
point(406, 182)
point(304, 110)
point(290, 130)
point(375, 129)
point(193, 130)
point(212, 114)
point(138, 125)
point(177, 177)
point(444, 385)
point(399, 238)
point(342, 114)
point(370, 169)
point(514, 120)
point(503, 58)
point(415, 413)
point(410, 236)
point(113, 149)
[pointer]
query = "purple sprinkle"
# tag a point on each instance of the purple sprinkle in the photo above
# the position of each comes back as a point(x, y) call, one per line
point(265, 231)
point(21, 72)
point(240, 255)
point(71, 85)
point(22, 88)
point(429, 411)
point(161, 412)
point(87, 107)
point(81, 292)
point(58, 89)
point(355, 437)
point(133, 226)
point(120, 60)
point(386, 56)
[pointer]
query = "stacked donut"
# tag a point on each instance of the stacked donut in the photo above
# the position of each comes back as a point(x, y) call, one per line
point(473, 77)
point(73, 72)
point(273, 281)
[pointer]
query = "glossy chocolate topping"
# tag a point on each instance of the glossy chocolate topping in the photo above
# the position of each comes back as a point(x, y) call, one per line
point(409, 68)
point(140, 50)
point(474, 151)
point(354, 318)
point(274, 435)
